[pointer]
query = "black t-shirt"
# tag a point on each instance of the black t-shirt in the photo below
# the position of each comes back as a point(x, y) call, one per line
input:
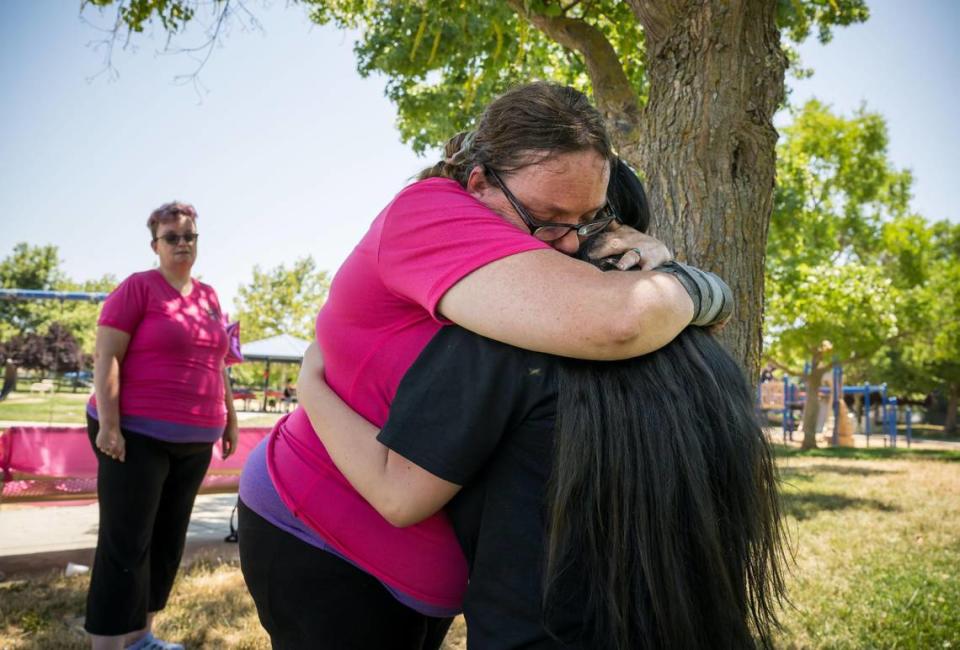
point(481, 414)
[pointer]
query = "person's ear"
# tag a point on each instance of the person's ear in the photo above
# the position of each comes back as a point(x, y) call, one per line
point(153, 245)
point(477, 183)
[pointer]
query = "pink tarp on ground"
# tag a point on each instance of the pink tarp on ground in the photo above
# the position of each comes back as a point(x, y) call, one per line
point(56, 463)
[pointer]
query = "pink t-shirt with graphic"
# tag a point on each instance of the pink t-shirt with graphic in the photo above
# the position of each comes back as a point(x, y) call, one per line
point(171, 378)
point(381, 312)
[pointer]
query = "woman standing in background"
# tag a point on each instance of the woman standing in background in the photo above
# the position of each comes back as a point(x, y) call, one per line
point(162, 398)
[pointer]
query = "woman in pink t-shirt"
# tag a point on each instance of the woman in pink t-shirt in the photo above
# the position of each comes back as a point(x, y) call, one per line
point(161, 400)
point(484, 240)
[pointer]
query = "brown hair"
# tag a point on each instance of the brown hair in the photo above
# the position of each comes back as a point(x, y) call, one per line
point(522, 127)
point(169, 212)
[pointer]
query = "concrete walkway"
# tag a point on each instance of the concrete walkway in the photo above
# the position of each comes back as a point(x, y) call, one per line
point(39, 538)
point(42, 538)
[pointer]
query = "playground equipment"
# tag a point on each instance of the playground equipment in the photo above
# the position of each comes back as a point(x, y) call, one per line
point(888, 406)
point(787, 397)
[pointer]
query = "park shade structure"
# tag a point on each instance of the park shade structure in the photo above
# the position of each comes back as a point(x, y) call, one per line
point(282, 348)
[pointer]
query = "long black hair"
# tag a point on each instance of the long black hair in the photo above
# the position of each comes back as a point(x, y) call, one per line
point(662, 505)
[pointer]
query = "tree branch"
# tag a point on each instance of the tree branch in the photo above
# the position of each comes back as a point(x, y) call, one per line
point(780, 366)
point(615, 97)
point(657, 17)
point(122, 30)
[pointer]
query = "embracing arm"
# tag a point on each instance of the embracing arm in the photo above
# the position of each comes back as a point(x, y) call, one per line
point(545, 301)
point(401, 491)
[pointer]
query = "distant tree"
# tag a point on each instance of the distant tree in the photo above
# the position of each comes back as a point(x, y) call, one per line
point(944, 351)
point(80, 317)
point(688, 89)
point(63, 353)
point(38, 267)
point(27, 267)
point(836, 193)
point(55, 351)
point(281, 300)
point(926, 259)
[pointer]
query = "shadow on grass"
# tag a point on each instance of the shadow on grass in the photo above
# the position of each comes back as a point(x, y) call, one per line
point(882, 453)
point(804, 505)
point(806, 472)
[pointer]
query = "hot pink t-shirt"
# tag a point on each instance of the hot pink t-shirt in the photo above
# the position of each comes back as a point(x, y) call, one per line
point(380, 313)
point(171, 378)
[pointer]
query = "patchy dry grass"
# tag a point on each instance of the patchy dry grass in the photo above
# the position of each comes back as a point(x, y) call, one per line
point(209, 608)
point(876, 535)
point(877, 549)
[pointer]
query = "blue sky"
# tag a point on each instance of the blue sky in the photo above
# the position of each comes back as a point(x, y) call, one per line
point(289, 152)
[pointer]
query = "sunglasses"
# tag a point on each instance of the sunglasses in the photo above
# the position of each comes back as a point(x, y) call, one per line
point(549, 231)
point(173, 239)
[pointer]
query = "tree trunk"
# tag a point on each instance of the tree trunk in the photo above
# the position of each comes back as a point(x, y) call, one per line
point(9, 379)
point(707, 145)
point(950, 423)
point(811, 407)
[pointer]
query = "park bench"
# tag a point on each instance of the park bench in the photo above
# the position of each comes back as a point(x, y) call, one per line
point(43, 386)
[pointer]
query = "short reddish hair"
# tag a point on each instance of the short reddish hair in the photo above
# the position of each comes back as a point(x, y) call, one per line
point(169, 212)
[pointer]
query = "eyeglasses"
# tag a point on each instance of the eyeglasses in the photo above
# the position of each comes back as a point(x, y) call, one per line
point(548, 230)
point(173, 239)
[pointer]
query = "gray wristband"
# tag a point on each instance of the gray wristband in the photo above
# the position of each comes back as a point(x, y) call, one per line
point(726, 310)
point(693, 288)
point(712, 298)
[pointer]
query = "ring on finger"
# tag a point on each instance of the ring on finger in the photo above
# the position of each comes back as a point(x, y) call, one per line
point(638, 252)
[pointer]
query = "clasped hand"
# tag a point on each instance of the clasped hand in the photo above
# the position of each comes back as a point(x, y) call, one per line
point(634, 248)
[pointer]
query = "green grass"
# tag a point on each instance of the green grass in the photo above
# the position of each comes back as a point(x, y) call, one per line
point(873, 453)
point(877, 550)
point(875, 533)
point(70, 408)
point(59, 408)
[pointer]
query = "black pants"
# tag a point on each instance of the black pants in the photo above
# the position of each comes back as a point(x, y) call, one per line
point(145, 504)
point(309, 599)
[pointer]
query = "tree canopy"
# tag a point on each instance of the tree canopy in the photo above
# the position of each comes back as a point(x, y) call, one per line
point(281, 300)
point(444, 60)
point(688, 89)
point(848, 263)
point(837, 195)
point(38, 267)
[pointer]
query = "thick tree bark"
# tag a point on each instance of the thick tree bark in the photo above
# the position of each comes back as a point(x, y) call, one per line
point(707, 142)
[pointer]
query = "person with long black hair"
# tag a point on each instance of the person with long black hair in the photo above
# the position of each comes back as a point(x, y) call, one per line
point(623, 504)
point(485, 239)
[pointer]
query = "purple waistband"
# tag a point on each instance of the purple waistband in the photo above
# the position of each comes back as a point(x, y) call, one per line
point(164, 429)
point(259, 494)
